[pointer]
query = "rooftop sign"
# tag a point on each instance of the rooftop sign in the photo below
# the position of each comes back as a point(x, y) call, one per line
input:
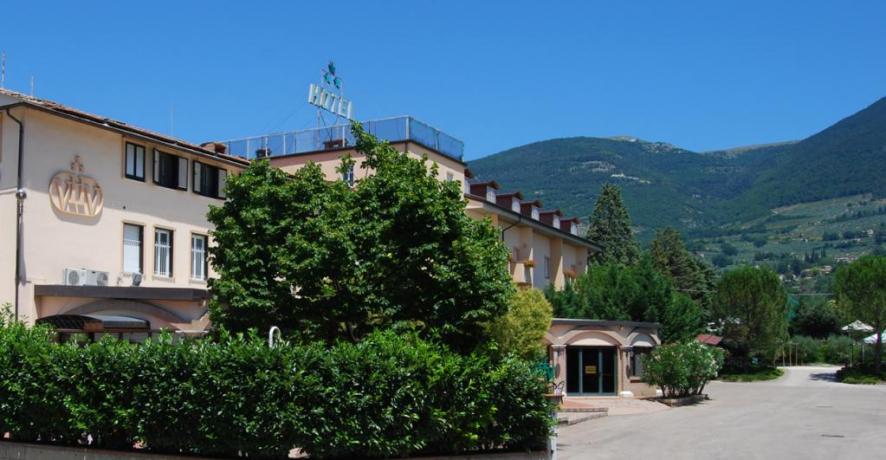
point(329, 95)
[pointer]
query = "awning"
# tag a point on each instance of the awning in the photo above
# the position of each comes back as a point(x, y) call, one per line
point(96, 323)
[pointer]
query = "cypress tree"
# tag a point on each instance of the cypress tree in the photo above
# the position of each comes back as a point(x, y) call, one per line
point(610, 227)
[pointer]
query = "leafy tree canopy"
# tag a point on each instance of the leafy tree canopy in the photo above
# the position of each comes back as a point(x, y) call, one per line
point(861, 292)
point(610, 227)
point(323, 260)
point(522, 330)
point(751, 307)
point(690, 275)
point(637, 293)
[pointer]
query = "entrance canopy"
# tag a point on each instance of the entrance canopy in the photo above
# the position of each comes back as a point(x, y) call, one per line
point(96, 323)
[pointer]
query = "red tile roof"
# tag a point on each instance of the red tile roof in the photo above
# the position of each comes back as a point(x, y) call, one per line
point(709, 339)
point(55, 107)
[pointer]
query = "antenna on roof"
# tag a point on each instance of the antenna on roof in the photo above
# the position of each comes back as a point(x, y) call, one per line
point(3, 69)
point(32, 86)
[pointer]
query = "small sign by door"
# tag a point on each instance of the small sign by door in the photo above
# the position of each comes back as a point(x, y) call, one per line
point(590, 369)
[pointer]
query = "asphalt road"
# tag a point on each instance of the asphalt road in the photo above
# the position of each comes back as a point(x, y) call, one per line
point(802, 415)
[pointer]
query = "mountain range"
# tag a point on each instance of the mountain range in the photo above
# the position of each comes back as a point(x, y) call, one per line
point(665, 185)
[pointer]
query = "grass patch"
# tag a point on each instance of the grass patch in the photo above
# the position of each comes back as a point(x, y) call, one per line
point(859, 376)
point(760, 375)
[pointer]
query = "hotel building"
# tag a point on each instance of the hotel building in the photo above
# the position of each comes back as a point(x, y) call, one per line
point(103, 228)
point(103, 225)
point(545, 247)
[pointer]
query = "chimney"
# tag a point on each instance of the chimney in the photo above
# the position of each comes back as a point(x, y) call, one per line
point(217, 147)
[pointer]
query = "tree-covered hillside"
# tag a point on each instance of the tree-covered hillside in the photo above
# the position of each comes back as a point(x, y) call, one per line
point(664, 185)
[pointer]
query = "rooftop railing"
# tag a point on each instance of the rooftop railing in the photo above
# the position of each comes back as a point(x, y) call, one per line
point(397, 129)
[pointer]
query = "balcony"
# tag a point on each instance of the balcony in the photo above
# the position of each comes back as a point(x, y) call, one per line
point(397, 129)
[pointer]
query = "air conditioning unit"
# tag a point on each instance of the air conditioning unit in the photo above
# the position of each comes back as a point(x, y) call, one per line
point(96, 278)
point(85, 277)
point(75, 276)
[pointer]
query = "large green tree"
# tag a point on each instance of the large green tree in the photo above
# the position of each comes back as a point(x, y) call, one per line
point(610, 227)
point(861, 291)
point(751, 306)
point(637, 293)
point(690, 275)
point(323, 260)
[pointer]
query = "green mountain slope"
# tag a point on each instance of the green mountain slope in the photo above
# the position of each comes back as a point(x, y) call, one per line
point(664, 185)
point(845, 159)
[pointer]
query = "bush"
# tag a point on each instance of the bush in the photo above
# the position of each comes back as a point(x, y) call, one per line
point(807, 349)
point(859, 375)
point(522, 330)
point(386, 396)
point(682, 369)
point(758, 375)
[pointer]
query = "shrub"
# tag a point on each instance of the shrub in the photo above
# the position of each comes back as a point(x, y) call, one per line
point(522, 329)
point(807, 349)
point(682, 369)
point(387, 396)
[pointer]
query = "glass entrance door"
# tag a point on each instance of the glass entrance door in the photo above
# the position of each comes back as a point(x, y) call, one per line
point(590, 370)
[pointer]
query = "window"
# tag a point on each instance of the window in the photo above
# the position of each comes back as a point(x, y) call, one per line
point(637, 361)
point(170, 171)
point(133, 235)
point(347, 175)
point(209, 180)
point(198, 257)
point(547, 268)
point(163, 252)
point(135, 161)
point(449, 176)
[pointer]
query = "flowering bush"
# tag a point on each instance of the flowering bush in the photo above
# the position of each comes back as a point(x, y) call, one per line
point(682, 369)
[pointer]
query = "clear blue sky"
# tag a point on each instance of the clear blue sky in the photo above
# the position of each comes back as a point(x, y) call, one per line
point(702, 75)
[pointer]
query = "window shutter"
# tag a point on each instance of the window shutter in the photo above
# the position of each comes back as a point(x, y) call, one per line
point(140, 162)
point(222, 180)
point(198, 182)
point(182, 173)
point(130, 160)
point(156, 166)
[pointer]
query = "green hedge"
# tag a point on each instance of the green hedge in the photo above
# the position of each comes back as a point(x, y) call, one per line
point(384, 397)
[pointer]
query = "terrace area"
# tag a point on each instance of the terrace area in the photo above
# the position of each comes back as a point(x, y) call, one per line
point(396, 129)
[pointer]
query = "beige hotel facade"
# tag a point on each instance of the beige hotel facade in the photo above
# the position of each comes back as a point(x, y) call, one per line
point(103, 228)
point(102, 225)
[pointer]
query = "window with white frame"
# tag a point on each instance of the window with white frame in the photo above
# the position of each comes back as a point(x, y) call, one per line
point(135, 161)
point(347, 175)
point(163, 252)
point(198, 257)
point(133, 235)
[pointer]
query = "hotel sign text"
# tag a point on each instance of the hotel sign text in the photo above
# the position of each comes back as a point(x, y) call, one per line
point(329, 101)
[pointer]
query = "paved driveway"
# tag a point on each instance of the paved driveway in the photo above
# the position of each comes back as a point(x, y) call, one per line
point(802, 415)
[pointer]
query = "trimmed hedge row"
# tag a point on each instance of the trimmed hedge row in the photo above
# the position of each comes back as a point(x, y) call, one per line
point(386, 396)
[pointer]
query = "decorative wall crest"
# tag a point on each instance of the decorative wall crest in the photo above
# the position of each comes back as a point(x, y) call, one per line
point(73, 193)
